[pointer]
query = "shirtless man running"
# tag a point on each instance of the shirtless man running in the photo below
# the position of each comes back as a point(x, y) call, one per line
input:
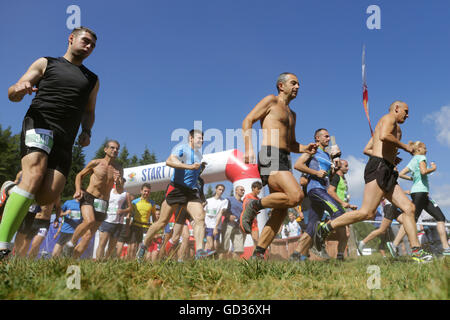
point(274, 162)
point(105, 173)
point(381, 181)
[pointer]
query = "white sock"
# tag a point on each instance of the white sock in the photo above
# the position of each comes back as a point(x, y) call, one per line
point(69, 243)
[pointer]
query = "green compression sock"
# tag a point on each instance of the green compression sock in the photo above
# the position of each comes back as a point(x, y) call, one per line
point(16, 209)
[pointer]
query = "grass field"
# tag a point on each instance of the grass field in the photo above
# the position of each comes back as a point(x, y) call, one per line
point(229, 280)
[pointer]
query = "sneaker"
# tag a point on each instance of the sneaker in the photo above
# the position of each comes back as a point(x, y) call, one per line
point(4, 195)
point(4, 254)
point(422, 256)
point(295, 256)
point(141, 252)
point(446, 252)
point(247, 216)
point(360, 248)
point(67, 251)
point(202, 254)
point(257, 256)
point(321, 254)
point(392, 249)
point(320, 235)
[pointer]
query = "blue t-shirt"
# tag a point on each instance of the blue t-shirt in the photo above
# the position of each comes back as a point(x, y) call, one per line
point(235, 207)
point(74, 218)
point(420, 182)
point(184, 177)
point(320, 161)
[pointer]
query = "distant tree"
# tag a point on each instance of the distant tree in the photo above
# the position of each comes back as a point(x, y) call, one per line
point(209, 193)
point(9, 154)
point(134, 161)
point(100, 153)
point(147, 157)
point(123, 157)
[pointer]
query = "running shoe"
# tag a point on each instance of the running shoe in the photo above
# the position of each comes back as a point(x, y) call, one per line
point(446, 252)
point(141, 252)
point(295, 256)
point(67, 251)
point(392, 249)
point(202, 254)
point(257, 256)
point(4, 254)
point(340, 257)
point(321, 254)
point(361, 247)
point(247, 216)
point(4, 195)
point(320, 235)
point(422, 256)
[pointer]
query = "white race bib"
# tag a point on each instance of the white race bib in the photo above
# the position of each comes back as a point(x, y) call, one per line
point(100, 205)
point(39, 138)
point(75, 214)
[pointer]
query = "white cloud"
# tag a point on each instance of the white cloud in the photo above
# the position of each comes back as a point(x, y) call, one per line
point(441, 121)
point(355, 178)
point(441, 194)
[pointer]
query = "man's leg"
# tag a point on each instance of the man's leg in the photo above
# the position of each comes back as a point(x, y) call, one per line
point(84, 243)
point(110, 251)
point(21, 245)
point(103, 239)
point(385, 224)
point(87, 211)
point(164, 217)
point(371, 199)
point(195, 209)
point(35, 246)
point(285, 193)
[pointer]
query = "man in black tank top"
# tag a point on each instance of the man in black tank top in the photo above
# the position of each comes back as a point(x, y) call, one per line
point(66, 93)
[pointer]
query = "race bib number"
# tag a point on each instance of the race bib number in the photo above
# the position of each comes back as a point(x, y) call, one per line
point(42, 232)
point(100, 205)
point(75, 214)
point(211, 212)
point(39, 138)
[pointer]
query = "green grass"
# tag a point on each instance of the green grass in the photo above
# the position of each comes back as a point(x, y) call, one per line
point(229, 280)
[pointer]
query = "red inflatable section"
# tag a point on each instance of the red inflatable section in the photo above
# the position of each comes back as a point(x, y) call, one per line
point(236, 169)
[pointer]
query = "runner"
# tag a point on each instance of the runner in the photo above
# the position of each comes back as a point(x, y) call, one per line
point(71, 218)
point(110, 228)
point(213, 210)
point(324, 206)
point(66, 94)
point(274, 162)
point(381, 181)
point(105, 173)
point(420, 191)
point(183, 190)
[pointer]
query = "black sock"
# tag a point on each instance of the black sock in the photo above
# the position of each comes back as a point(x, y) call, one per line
point(258, 249)
point(258, 205)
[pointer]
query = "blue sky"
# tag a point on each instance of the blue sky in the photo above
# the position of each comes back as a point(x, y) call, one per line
point(164, 64)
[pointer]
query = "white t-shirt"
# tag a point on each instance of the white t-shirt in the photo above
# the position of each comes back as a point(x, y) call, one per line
point(292, 229)
point(115, 203)
point(212, 209)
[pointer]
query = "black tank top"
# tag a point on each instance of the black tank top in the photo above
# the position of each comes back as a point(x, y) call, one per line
point(63, 95)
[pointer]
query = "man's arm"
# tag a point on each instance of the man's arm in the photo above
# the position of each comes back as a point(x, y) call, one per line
point(120, 181)
point(297, 147)
point(26, 83)
point(386, 128)
point(368, 150)
point(301, 166)
point(79, 177)
point(257, 113)
point(88, 117)
point(174, 162)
